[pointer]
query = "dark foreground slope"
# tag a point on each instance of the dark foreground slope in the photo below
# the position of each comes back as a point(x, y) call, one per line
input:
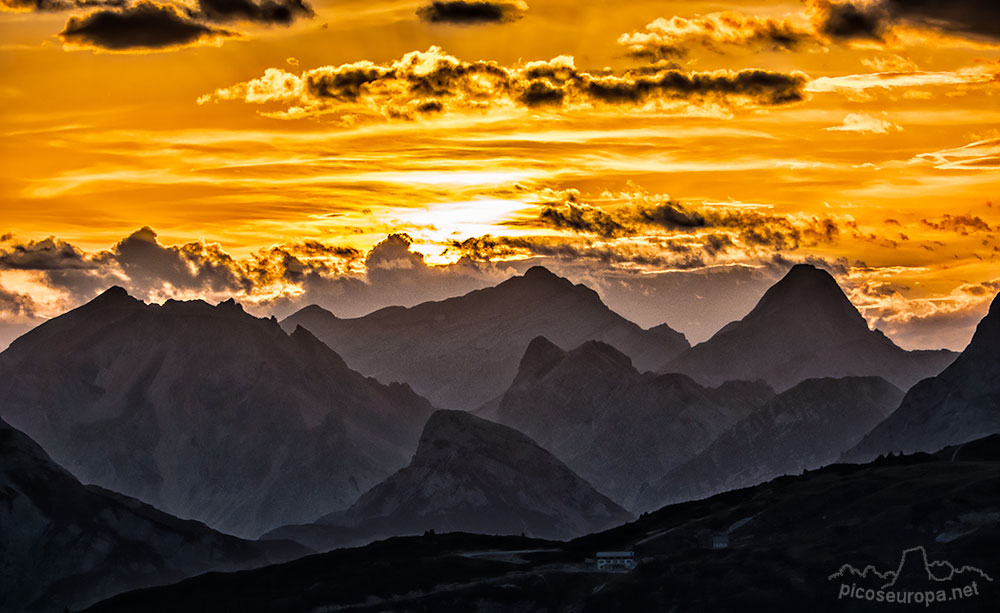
point(66, 544)
point(206, 412)
point(804, 327)
point(960, 404)
point(469, 475)
point(464, 351)
point(787, 542)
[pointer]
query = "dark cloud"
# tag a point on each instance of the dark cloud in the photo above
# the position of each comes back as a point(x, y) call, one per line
point(986, 288)
point(976, 17)
point(696, 231)
point(393, 253)
point(194, 265)
point(280, 12)
point(762, 86)
point(583, 218)
point(46, 254)
point(15, 306)
point(432, 80)
point(959, 224)
point(852, 20)
point(462, 12)
point(874, 19)
point(671, 214)
point(57, 5)
point(144, 25)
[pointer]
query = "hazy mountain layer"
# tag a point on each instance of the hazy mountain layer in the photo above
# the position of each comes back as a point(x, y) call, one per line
point(804, 327)
point(469, 474)
point(464, 351)
point(206, 412)
point(614, 426)
point(803, 428)
point(65, 544)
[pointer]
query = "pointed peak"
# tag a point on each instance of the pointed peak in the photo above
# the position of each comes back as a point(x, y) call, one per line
point(300, 333)
point(311, 311)
point(540, 272)
point(539, 358)
point(807, 273)
point(115, 295)
point(806, 287)
point(666, 332)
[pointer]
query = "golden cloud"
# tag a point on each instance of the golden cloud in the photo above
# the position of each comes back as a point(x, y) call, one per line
point(426, 83)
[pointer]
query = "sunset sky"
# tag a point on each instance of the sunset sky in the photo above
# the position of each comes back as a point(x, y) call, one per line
point(675, 156)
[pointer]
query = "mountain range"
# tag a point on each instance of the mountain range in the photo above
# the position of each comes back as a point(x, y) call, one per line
point(618, 428)
point(804, 327)
point(803, 428)
point(960, 404)
point(463, 352)
point(469, 475)
point(206, 412)
point(63, 544)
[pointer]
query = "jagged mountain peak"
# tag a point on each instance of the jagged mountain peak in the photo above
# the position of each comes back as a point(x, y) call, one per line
point(540, 356)
point(464, 351)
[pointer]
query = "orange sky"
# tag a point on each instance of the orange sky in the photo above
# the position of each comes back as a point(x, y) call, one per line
point(590, 136)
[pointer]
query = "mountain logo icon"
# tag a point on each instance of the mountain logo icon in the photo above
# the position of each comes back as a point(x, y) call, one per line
point(915, 579)
point(913, 564)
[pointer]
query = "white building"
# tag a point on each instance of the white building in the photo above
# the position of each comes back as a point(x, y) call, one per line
point(615, 561)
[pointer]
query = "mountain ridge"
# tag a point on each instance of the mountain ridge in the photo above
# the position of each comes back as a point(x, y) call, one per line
point(464, 351)
point(145, 400)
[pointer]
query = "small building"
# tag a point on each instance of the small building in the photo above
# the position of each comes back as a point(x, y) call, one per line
point(615, 561)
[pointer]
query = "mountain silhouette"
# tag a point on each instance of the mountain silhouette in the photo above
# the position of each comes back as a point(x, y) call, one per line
point(618, 428)
point(804, 327)
point(63, 544)
point(960, 404)
point(471, 475)
point(464, 351)
point(802, 428)
point(205, 411)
